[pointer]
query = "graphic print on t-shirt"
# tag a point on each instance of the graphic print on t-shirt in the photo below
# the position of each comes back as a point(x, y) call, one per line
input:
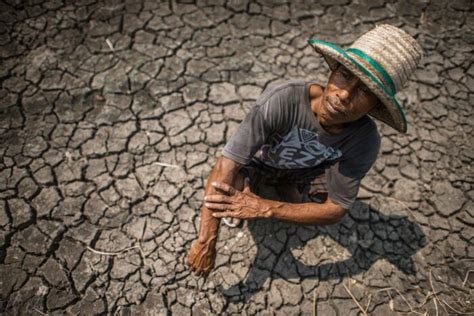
point(300, 148)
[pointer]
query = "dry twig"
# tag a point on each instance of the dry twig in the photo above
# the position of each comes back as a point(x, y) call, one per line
point(436, 306)
point(109, 43)
point(368, 303)
point(355, 300)
point(315, 305)
point(465, 278)
point(111, 253)
point(39, 311)
point(163, 164)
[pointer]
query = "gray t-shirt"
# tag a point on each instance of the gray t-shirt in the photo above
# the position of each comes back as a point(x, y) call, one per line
point(282, 131)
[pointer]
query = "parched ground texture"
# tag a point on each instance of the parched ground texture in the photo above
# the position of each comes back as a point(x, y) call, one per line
point(112, 114)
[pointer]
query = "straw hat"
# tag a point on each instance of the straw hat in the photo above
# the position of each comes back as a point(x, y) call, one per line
point(383, 58)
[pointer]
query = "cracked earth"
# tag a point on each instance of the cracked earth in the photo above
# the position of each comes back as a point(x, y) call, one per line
point(112, 114)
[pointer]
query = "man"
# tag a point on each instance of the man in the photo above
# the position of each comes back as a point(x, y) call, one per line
point(300, 130)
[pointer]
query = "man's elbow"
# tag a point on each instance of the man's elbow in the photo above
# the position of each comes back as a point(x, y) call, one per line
point(336, 214)
point(226, 165)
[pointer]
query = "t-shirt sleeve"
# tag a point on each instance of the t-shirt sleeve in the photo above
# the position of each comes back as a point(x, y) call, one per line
point(344, 177)
point(248, 138)
point(264, 119)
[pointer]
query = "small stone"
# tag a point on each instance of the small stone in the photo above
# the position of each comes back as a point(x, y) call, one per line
point(99, 98)
point(429, 77)
point(448, 200)
point(249, 92)
point(406, 190)
point(223, 93)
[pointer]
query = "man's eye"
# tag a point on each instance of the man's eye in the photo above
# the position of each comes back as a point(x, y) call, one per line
point(364, 89)
point(346, 74)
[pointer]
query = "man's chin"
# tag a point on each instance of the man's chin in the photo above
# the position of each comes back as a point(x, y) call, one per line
point(327, 121)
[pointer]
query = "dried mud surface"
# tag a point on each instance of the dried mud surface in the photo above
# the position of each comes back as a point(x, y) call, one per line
point(112, 114)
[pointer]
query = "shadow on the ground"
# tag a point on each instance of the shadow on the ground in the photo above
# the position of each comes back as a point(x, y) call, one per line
point(366, 234)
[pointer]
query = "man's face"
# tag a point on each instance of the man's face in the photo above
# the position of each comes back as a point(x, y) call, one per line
point(345, 99)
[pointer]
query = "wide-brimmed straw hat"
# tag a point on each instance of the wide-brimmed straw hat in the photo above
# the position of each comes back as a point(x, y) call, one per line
point(383, 58)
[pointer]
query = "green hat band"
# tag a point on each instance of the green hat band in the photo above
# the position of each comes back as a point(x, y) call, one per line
point(377, 67)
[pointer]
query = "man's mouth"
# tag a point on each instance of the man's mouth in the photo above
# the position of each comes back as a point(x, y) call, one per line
point(334, 109)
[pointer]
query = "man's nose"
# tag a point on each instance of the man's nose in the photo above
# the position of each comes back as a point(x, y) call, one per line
point(345, 93)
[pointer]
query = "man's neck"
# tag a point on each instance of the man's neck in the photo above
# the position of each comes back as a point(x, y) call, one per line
point(334, 129)
point(315, 95)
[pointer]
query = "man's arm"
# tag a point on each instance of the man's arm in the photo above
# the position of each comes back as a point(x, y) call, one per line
point(246, 205)
point(201, 257)
point(309, 213)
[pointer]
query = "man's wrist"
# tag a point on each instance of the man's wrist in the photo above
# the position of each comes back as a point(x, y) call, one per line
point(272, 208)
point(207, 237)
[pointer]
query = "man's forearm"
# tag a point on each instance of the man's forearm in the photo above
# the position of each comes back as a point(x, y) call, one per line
point(306, 213)
point(226, 171)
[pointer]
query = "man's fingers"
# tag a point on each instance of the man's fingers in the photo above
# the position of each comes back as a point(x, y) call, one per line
point(225, 214)
point(224, 187)
point(221, 214)
point(217, 198)
point(218, 207)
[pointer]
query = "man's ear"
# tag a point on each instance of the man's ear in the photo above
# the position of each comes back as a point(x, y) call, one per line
point(378, 105)
point(332, 63)
point(333, 66)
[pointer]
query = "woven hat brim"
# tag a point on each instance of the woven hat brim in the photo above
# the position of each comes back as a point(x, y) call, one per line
point(391, 113)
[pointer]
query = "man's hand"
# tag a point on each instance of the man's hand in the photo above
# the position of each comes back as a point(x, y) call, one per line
point(238, 204)
point(202, 257)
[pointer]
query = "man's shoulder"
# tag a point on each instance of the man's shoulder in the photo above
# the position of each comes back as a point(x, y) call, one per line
point(315, 90)
point(365, 128)
point(365, 136)
point(283, 90)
